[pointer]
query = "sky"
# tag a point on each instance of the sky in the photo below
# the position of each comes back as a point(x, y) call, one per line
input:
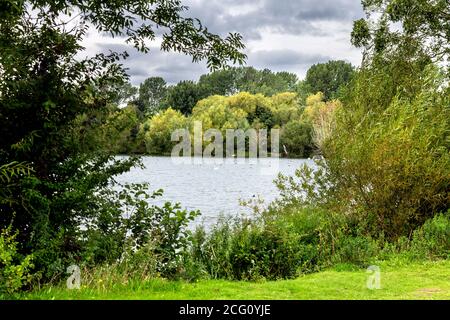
point(281, 35)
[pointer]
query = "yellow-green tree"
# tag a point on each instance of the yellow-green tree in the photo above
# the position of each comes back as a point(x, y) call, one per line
point(284, 107)
point(223, 113)
point(157, 131)
point(321, 115)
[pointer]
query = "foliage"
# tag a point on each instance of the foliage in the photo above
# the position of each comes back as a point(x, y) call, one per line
point(14, 269)
point(281, 244)
point(157, 131)
point(114, 131)
point(423, 28)
point(247, 79)
point(119, 133)
point(292, 239)
point(228, 82)
point(10, 173)
point(222, 113)
point(184, 96)
point(396, 160)
point(296, 138)
point(125, 223)
point(45, 90)
point(321, 115)
point(390, 172)
point(152, 93)
point(421, 277)
point(123, 93)
point(329, 78)
point(386, 159)
point(239, 111)
point(432, 240)
point(264, 81)
point(284, 107)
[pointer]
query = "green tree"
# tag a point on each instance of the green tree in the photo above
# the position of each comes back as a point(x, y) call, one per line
point(424, 28)
point(247, 79)
point(123, 93)
point(284, 107)
point(43, 89)
point(328, 78)
point(220, 82)
point(157, 131)
point(386, 165)
point(296, 139)
point(152, 92)
point(395, 163)
point(184, 96)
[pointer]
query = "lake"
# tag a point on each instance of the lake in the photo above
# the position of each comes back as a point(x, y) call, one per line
point(214, 187)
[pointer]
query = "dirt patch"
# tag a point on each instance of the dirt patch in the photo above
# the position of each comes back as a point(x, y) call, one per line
point(428, 291)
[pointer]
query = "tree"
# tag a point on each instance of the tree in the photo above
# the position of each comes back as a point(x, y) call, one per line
point(124, 93)
point(284, 107)
point(151, 94)
point(329, 77)
point(249, 79)
point(10, 174)
point(394, 163)
point(223, 113)
point(184, 96)
point(287, 81)
point(424, 28)
point(386, 165)
point(157, 131)
point(295, 139)
point(43, 89)
point(221, 82)
point(119, 133)
point(321, 116)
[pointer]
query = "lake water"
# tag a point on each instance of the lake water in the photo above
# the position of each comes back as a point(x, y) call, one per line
point(213, 188)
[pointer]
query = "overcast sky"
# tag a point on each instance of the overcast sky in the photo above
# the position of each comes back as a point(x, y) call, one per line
point(282, 35)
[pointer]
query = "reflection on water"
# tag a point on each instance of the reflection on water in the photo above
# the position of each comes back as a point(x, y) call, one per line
point(213, 188)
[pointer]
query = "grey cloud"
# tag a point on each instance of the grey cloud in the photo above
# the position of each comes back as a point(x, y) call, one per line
point(284, 58)
point(173, 67)
point(252, 18)
point(286, 16)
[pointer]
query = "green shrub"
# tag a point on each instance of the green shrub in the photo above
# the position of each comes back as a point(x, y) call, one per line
point(296, 137)
point(356, 250)
point(157, 131)
point(432, 240)
point(282, 243)
point(390, 173)
point(122, 221)
point(14, 269)
point(127, 219)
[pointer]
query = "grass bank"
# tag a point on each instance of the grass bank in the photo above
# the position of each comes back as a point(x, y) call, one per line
point(399, 280)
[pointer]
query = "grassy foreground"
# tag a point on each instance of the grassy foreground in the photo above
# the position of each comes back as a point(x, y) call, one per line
point(427, 280)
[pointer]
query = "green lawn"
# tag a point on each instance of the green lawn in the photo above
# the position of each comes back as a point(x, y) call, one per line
point(428, 280)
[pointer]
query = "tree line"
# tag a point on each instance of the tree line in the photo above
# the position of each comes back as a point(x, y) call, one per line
point(234, 98)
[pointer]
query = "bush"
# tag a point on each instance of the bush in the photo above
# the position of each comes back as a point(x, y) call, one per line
point(157, 131)
point(390, 172)
point(126, 223)
point(285, 241)
point(248, 252)
point(432, 240)
point(122, 221)
point(14, 269)
point(296, 138)
point(280, 244)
